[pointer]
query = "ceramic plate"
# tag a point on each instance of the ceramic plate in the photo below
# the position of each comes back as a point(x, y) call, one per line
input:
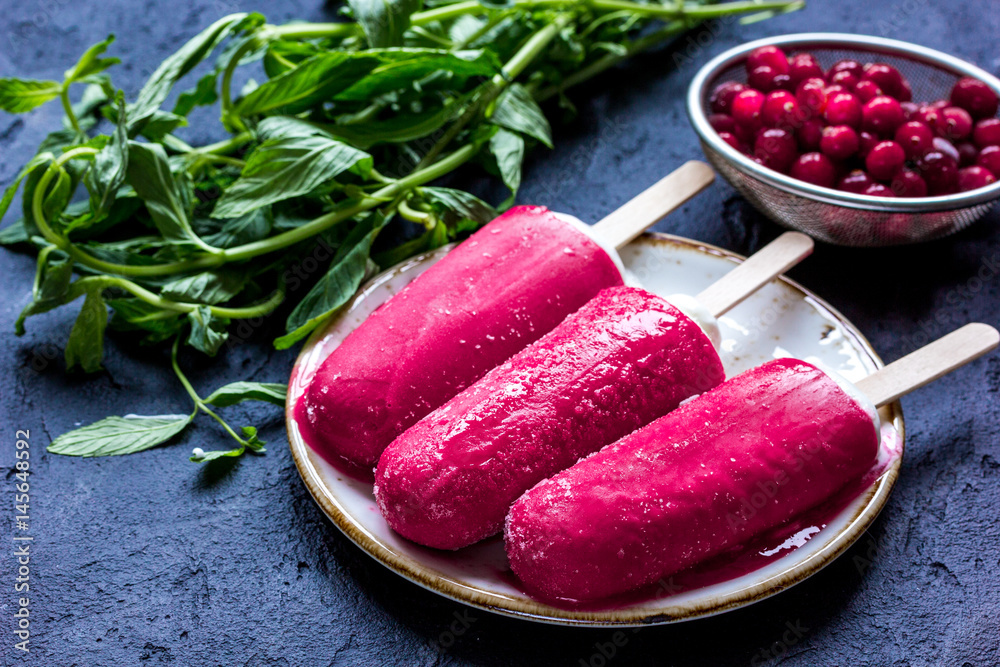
point(781, 320)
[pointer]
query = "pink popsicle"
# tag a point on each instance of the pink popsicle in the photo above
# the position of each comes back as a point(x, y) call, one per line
point(506, 286)
point(622, 360)
point(747, 456)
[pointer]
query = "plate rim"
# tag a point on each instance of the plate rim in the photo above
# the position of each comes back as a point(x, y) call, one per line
point(875, 499)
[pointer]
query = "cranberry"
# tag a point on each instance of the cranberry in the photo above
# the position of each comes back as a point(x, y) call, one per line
point(867, 90)
point(905, 93)
point(954, 123)
point(884, 160)
point(939, 104)
point(909, 109)
point(769, 56)
point(885, 76)
point(811, 96)
point(915, 138)
point(839, 142)
point(878, 190)
point(940, 172)
point(834, 89)
point(843, 109)
point(967, 154)
point(810, 134)
point(868, 142)
point(720, 122)
point(846, 79)
point(779, 110)
point(776, 149)
point(731, 139)
point(942, 145)
point(908, 183)
point(746, 108)
point(975, 97)
point(814, 168)
point(721, 100)
point(857, 181)
point(782, 82)
point(847, 65)
point(927, 115)
point(987, 132)
point(762, 78)
point(882, 115)
point(989, 157)
point(803, 66)
point(973, 178)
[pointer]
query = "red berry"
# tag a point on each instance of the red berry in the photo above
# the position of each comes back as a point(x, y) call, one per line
point(939, 104)
point(878, 190)
point(973, 178)
point(782, 82)
point(915, 138)
point(721, 100)
point(868, 142)
point(942, 145)
point(882, 115)
point(908, 183)
point(769, 56)
point(810, 134)
point(731, 139)
point(975, 97)
point(803, 66)
point(940, 172)
point(886, 77)
point(839, 142)
point(884, 160)
point(776, 149)
point(856, 181)
point(720, 122)
point(847, 65)
point(779, 110)
point(762, 78)
point(909, 109)
point(905, 93)
point(811, 96)
point(967, 154)
point(954, 123)
point(989, 157)
point(834, 89)
point(843, 109)
point(746, 108)
point(814, 168)
point(927, 115)
point(987, 132)
point(866, 90)
point(845, 78)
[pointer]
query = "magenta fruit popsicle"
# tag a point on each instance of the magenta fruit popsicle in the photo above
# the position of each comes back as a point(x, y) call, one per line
point(622, 360)
point(676, 492)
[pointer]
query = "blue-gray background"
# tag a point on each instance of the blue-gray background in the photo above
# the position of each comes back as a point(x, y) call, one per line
point(150, 559)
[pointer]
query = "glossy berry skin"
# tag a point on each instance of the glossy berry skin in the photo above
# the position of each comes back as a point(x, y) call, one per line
point(780, 109)
point(857, 181)
point(886, 77)
point(944, 146)
point(973, 178)
point(953, 124)
point(867, 90)
point(868, 141)
point(905, 93)
point(839, 142)
point(847, 65)
point(746, 108)
point(731, 139)
point(834, 89)
point(811, 96)
point(908, 183)
point(878, 190)
point(967, 154)
point(939, 171)
point(989, 158)
point(884, 160)
point(846, 79)
point(810, 134)
point(975, 97)
point(843, 109)
point(776, 149)
point(881, 115)
point(803, 66)
point(720, 122)
point(915, 138)
point(770, 56)
point(721, 100)
point(782, 82)
point(909, 109)
point(987, 132)
point(814, 168)
point(927, 115)
point(762, 78)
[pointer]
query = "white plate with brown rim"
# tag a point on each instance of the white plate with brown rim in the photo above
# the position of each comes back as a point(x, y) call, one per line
point(783, 319)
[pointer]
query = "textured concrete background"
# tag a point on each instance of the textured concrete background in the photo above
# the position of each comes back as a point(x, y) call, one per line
point(150, 559)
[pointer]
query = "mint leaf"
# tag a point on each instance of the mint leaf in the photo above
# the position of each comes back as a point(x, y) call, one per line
point(208, 332)
point(85, 347)
point(517, 110)
point(165, 194)
point(508, 149)
point(404, 67)
point(21, 95)
point(91, 63)
point(247, 228)
point(210, 287)
point(114, 436)
point(456, 205)
point(108, 171)
point(384, 21)
point(237, 392)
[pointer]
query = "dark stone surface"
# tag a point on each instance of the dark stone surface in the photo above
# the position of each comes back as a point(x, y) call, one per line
point(150, 559)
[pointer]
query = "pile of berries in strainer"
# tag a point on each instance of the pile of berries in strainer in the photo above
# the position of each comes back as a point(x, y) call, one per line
point(855, 127)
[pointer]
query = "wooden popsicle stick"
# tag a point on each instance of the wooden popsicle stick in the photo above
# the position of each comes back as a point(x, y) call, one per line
point(759, 269)
point(929, 363)
point(650, 206)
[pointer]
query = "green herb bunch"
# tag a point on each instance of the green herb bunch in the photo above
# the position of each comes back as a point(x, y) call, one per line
point(353, 122)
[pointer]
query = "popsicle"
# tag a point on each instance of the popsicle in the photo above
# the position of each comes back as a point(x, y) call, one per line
point(622, 360)
point(677, 492)
point(506, 286)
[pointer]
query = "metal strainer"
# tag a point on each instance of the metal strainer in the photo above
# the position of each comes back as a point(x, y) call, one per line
point(831, 215)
